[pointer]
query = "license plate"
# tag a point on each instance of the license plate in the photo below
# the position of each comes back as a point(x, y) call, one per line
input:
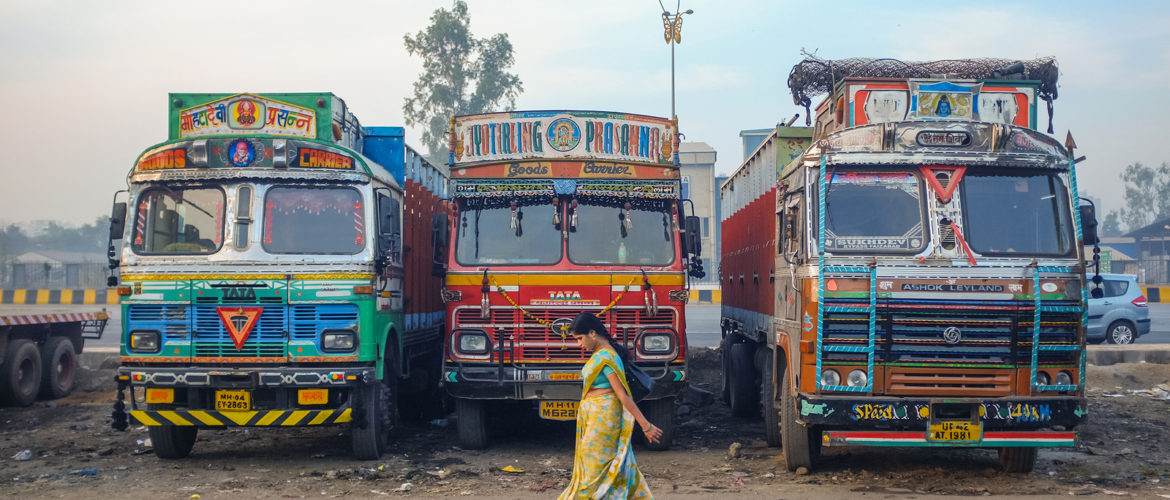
point(558, 410)
point(949, 430)
point(233, 400)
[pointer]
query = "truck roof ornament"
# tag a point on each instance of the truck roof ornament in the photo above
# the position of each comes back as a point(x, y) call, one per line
point(814, 76)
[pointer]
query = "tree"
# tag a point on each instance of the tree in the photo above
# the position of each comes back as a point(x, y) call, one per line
point(461, 75)
point(1147, 194)
point(87, 238)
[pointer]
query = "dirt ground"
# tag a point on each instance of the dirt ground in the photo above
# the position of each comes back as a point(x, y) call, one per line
point(73, 453)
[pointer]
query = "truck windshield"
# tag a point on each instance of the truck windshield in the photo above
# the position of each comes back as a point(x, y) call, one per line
point(874, 211)
point(526, 236)
point(179, 221)
point(1016, 214)
point(314, 220)
point(600, 238)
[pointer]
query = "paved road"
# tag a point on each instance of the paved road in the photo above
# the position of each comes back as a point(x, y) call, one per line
point(702, 325)
point(1159, 325)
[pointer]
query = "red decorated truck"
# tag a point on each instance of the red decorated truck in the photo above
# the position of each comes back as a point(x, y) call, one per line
point(555, 213)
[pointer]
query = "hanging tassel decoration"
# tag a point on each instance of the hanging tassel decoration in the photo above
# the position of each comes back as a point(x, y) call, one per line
point(485, 301)
point(573, 218)
point(513, 222)
point(649, 296)
point(556, 216)
point(629, 221)
point(519, 224)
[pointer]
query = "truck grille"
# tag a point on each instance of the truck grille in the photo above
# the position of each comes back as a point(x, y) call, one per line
point(212, 339)
point(536, 342)
point(910, 332)
point(308, 321)
point(169, 320)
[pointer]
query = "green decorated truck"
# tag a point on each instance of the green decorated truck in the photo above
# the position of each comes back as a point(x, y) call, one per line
point(278, 266)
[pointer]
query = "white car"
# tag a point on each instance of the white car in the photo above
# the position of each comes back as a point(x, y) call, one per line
point(1121, 315)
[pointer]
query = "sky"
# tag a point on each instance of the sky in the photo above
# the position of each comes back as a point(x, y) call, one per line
point(86, 81)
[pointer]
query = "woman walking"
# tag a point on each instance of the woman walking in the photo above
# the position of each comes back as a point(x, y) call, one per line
point(604, 465)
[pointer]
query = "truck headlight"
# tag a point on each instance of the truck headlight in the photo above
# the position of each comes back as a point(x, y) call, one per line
point(857, 378)
point(338, 341)
point(1064, 378)
point(144, 341)
point(1043, 379)
point(830, 377)
point(657, 343)
point(473, 342)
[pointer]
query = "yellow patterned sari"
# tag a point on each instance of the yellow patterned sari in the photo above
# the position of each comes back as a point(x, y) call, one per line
point(604, 465)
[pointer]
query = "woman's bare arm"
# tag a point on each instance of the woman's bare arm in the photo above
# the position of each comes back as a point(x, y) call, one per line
point(652, 433)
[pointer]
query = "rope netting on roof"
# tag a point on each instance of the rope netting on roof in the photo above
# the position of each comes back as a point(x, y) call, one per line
point(813, 76)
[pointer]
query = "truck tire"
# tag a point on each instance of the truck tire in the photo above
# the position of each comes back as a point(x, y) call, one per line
point(21, 377)
point(59, 368)
point(1017, 460)
point(742, 392)
point(471, 421)
point(801, 445)
point(172, 441)
point(771, 412)
point(725, 359)
point(663, 414)
point(370, 432)
point(1120, 332)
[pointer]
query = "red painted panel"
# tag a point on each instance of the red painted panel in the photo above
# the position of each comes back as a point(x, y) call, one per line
point(421, 288)
point(749, 249)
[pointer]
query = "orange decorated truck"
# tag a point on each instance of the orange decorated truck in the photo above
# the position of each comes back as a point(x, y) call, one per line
point(907, 271)
point(555, 213)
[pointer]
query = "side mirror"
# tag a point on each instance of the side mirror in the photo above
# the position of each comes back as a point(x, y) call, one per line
point(1088, 224)
point(387, 215)
point(118, 221)
point(439, 241)
point(117, 227)
point(692, 243)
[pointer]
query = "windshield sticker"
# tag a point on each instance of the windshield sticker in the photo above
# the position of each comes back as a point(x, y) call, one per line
point(638, 190)
point(876, 178)
point(503, 189)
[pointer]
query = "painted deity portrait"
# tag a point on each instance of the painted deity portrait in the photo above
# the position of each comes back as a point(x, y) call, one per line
point(241, 153)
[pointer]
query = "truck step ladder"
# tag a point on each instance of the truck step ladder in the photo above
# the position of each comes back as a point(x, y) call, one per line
point(871, 270)
point(1037, 308)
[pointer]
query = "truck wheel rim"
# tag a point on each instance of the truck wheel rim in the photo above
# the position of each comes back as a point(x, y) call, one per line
point(25, 378)
point(1122, 335)
point(64, 369)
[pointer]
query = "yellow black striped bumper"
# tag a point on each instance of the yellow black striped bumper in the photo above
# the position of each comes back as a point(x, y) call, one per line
point(267, 418)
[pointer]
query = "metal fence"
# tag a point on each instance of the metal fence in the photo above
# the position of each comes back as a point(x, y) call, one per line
point(1152, 271)
point(18, 275)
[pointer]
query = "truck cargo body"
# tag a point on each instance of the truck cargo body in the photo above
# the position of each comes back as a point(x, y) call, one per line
point(39, 346)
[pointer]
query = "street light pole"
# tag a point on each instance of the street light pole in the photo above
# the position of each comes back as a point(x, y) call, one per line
point(672, 23)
